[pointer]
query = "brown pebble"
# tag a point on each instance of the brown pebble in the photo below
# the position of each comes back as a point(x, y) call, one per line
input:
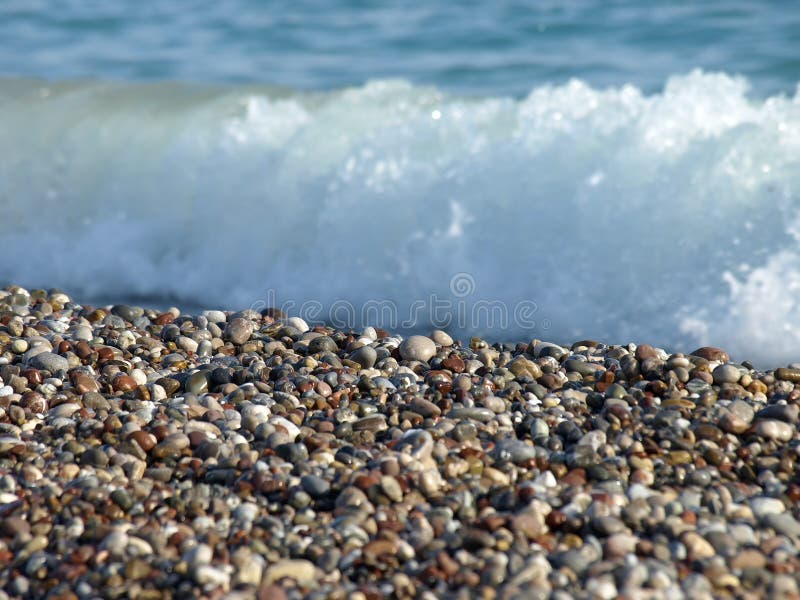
point(164, 318)
point(711, 353)
point(645, 351)
point(785, 374)
point(33, 376)
point(454, 363)
point(124, 383)
point(146, 441)
point(83, 383)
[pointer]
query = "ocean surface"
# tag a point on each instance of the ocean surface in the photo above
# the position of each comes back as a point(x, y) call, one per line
point(625, 171)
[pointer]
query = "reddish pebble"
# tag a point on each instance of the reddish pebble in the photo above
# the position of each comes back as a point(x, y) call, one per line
point(711, 353)
point(105, 353)
point(83, 383)
point(146, 441)
point(196, 438)
point(82, 349)
point(165, 318)
point(33, 376)
point(645, 351)
point(124, 383)
point(454, 363)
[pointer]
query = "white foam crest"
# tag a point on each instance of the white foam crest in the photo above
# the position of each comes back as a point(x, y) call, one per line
point(622, 216)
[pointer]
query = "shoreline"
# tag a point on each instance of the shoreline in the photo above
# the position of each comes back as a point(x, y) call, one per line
point(241, 454)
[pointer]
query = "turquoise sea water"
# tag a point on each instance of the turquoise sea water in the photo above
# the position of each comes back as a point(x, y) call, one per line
point(618, 170)
point(481, 48)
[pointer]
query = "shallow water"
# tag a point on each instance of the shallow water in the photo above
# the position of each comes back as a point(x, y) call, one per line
point(562, 173)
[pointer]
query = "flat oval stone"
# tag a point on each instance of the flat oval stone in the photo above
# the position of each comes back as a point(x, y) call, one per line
point(782, 412)
point(424, 407)
point(83, 383)
point(391, 488)
point(300, 570)
point(145, 440)
point(49, 362)
point(129, 313)
point(712, 353)
point(172, 445)
point(707, 431)
point(581, 366)
point(645, 351)
point(376, 422)
point(480, 414)
point(514, 451)
point(785, 374)
point(764, 505)
point(8, 443)
point(66, 409)
point(775, 430)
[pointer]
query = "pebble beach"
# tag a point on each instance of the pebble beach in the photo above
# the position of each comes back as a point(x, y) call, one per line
point(153, 454)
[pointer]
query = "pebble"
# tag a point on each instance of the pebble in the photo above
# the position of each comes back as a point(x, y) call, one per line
point(763, 506)
point(785, 374)
point(726, 374)
point(697, 546)
point(298, 570)
point(417, 347)
point(238, 331)
point(366, 356)
point(441, 338)
point(48, 361)
point(775, 430)
point(315, 486)
point(712, 353)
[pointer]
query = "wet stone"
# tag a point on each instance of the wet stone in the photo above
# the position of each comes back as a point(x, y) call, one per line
point(424, 407)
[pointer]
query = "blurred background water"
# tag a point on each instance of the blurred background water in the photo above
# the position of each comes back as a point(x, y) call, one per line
point(631, 169)
point(497, 48)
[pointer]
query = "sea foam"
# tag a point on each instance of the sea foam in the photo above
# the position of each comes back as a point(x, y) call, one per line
point(669, 218)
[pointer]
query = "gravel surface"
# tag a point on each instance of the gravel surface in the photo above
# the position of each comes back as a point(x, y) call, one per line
point(152, 454)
